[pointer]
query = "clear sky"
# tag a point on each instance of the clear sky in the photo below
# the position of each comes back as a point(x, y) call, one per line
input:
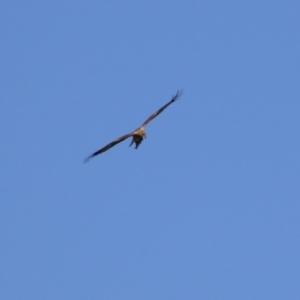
point(207, 208)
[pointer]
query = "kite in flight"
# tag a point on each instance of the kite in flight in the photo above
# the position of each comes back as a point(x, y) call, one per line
point(139, 134)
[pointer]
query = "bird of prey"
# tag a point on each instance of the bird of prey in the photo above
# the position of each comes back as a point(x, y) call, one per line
point(137, 135)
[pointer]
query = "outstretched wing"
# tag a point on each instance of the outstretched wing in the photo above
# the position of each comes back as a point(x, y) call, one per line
point(174, 98)
point(110, 145)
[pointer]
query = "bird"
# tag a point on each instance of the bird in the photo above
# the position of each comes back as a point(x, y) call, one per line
point(137, 135)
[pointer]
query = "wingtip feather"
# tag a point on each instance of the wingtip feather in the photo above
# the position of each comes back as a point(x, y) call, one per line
point(87, 159)
point(177, 95)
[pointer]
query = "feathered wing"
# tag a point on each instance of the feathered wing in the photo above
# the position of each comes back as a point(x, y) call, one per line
point(174, 98)
point(108, 146)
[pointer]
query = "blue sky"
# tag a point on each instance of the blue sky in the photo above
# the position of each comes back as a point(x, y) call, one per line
point(207, 207)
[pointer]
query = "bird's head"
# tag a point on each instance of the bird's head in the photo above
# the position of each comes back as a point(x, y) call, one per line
point(142, 132)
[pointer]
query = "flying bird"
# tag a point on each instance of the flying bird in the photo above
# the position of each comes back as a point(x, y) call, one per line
point(137, 135)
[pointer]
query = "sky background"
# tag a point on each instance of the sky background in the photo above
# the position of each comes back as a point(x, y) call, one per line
point(208, 206)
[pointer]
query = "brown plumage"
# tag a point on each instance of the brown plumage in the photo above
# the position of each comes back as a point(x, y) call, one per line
point(139, 134)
